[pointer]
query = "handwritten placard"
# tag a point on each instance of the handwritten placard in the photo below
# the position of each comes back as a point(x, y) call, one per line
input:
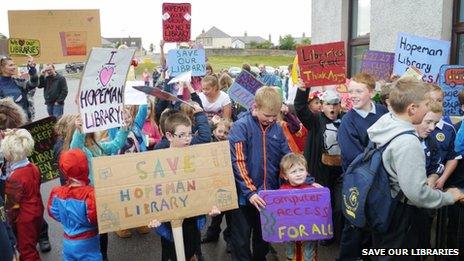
point(65, 35)
point(177, 20)
point(184, 60)
point(244, 88)
point(133, 96)
point(451, 81)
point(322, 64)
point(23, 47)
point(378, 64)
point(169, 184)
point(296, 215)
point(102, 88)
point(44, 138)
point(427, 55)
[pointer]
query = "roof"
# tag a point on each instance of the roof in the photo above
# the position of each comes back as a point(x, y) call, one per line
point(249, 39)
point(214, 33)
point(106, 42)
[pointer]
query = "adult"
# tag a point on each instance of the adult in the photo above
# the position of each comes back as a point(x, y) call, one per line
point(270, 79)
point(146, 77)
point(15, 87)
point(55, 90)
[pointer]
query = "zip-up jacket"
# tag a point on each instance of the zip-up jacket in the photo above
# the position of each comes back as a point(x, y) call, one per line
point(256, 152)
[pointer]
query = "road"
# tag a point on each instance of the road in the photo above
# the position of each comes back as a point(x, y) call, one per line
point(138, 247)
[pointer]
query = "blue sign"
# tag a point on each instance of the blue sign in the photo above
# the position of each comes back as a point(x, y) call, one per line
point(451, 81)
point(244, 88)
point(184, 60)
point(427, 55)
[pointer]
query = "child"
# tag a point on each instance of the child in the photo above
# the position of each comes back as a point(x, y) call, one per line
point(404, 161)
point(322, 151)
point(225, 81)
point(150, 127)
point(23, 200)
point(314, 102)
point(73, 205)
point(214, 101)
point(220, 132)
point(257, 146)
point(61, 130)
point(293, 129)
point(179, 133)
point(353, 139)
point(294, 172)
point(444, 135)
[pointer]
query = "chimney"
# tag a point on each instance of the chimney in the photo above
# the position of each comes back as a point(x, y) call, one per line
point(304, 36)
point(245, 34)
point(269, 38)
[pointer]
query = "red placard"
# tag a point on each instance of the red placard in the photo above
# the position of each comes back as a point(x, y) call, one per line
point(176, 22)
point(322, 64)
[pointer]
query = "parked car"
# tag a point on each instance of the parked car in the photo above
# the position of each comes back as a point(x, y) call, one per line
point(234, 71)
point(254, 70)
point(283, 70)
point(74, 67)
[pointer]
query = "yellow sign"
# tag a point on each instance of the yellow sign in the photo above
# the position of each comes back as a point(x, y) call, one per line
point(65, 35)
point(23, 47)
point(170, 184)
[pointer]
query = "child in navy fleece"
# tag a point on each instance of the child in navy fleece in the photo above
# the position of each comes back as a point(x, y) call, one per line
point(352, 137)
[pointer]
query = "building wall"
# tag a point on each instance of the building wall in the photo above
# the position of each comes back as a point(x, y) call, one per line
point(238, 44)
point(431, 19)
point(222, 42)
point(329, 22)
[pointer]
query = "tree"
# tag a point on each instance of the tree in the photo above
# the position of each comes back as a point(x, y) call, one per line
point(306, 41)
point(287, 43)
point(265, 45)
point(152, 47)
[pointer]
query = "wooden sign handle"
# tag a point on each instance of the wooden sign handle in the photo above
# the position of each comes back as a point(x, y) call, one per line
point(178, 238)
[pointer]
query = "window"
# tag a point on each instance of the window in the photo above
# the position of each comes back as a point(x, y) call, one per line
point(457, 43)
point(359, 33)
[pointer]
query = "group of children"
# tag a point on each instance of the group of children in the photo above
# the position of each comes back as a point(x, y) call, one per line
point(271, 148)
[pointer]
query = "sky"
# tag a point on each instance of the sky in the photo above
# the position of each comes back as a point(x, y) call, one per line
point(139, 18)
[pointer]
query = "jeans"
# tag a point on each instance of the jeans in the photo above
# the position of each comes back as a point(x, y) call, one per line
point(55, 110)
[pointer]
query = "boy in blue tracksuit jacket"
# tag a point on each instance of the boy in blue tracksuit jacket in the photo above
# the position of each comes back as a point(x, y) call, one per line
point(257, 145)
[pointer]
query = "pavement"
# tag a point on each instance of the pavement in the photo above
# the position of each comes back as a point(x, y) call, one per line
point(138, 247)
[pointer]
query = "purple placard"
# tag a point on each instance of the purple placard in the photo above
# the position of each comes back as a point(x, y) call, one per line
point(296, 214)
point(378, 64)
point(244, 88)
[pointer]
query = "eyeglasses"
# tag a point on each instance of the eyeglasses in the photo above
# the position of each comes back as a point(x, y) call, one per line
point(183, 135)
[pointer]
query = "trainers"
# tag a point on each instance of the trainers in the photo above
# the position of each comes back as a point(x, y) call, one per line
point(125, 233)
point(143, 230)
point(44, 245)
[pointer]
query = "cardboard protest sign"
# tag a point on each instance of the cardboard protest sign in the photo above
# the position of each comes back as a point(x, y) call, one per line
point(102, 88)
point(451, 81)
point(378, 64)
point(23, 47)
point(44, 138)
point(427, 55)
point(296, 215)
point(170, 184)
point(177, 19)
point(65, 35)
point(244, 88)
point(133, 96)
point(184, 60)
point(412, 72)
point(322, 64)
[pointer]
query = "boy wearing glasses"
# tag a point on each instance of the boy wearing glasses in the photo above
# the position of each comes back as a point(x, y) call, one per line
point(178, 130)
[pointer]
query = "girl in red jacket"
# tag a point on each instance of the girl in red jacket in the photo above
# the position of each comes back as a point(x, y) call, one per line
point(23, 200)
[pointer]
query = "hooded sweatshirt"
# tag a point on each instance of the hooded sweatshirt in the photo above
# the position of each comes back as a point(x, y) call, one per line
point(404, 160)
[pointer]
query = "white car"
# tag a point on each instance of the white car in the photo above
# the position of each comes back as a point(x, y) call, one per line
point(234, 71)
